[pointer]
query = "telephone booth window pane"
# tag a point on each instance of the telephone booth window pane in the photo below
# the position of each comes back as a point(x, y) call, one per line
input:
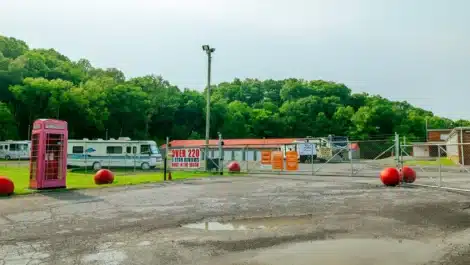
point(54, 153)
point(34, 156)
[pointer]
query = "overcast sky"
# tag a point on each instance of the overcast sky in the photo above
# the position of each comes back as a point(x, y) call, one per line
point(414, 50)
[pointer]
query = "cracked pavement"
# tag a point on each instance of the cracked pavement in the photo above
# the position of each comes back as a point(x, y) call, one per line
point(142, 224)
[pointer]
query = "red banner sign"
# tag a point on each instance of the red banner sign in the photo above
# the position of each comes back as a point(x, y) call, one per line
point(186, 158)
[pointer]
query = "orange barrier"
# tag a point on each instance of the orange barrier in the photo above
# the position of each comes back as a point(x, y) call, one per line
point(277, 160)
point(266, 157)
point(292, 162)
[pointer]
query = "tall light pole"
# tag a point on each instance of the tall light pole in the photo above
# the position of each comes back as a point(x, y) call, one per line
point(209, 52)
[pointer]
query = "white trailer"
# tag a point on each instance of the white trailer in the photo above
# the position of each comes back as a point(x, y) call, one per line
point(122, 152)
point(15, 149)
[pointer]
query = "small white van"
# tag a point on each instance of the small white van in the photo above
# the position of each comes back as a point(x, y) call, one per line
point(121, 152)
point(15, 149)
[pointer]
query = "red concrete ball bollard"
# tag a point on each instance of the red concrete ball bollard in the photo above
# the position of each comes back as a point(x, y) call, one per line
point(234, 167)
point(408, 174)
point(104, 176)
point(7, 187)
point(390, 176)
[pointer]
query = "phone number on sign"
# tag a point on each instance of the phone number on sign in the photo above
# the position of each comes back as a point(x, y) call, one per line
point(192, 164)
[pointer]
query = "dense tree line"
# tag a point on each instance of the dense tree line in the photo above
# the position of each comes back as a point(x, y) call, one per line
point(41, 83)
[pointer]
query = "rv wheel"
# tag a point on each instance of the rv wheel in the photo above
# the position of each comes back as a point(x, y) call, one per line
point(96, 166)
point(145, 166)
point(7, 157)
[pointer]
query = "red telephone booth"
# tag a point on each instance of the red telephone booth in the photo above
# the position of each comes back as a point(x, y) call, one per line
point(48, 159)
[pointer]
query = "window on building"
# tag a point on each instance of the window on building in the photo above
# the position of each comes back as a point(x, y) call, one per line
point(114, 150)
point(77, 150)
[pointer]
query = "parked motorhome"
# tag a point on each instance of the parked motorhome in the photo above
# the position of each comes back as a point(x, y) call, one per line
point(122, 152)
point(15, 149)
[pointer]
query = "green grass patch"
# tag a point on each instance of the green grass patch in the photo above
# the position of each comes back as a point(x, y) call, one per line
point(442, 161)
point(82, 180)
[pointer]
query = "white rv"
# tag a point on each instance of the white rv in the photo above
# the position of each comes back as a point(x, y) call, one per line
point(15, 149)
point(122, 152)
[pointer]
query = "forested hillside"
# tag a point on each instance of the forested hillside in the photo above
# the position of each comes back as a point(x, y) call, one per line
point(42, 83)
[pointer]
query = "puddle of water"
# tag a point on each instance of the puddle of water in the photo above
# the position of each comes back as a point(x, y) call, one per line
point(144, 243)
point(108, 257)
point(340, 252)
point(253, 223)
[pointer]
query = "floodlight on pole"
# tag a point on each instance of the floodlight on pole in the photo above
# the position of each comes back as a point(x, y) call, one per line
point(209, 52)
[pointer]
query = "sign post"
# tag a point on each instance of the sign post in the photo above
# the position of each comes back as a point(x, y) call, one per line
point(165, 162)
point(308, 149)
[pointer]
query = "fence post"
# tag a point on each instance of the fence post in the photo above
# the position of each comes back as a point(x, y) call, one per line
point(440, 164)
point(397, 150)
point(245, 150)
point(351, 158)
point(313, 147)
point(221, 154)
point(461, 146)
point(165, 159)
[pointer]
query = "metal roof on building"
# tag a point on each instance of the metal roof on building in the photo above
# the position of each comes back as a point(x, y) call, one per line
point(234, 142)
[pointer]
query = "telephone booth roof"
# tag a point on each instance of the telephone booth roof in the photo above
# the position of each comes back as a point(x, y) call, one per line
point(49, 124)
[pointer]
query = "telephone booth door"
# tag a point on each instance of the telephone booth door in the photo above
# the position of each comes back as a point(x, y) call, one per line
point(48, 165)
point(53, 158)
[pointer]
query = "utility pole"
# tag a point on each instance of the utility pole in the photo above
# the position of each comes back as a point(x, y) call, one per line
point(209, 52)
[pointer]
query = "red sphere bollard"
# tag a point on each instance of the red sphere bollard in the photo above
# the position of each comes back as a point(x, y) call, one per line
point(234, 167)
point(104, 176)
point(408, 174)
point(390, 176)
point(7, 187)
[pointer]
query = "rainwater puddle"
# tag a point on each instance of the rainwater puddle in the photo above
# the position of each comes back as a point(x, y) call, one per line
point(340, 252)
point(271, 223)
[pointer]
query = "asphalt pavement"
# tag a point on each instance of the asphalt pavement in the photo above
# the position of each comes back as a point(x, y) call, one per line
point(260, 219)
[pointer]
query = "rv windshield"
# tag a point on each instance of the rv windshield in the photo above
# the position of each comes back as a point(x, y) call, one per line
point(154, 149)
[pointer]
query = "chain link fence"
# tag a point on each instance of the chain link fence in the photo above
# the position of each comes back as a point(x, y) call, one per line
point(442, 165)
point(305, 156)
